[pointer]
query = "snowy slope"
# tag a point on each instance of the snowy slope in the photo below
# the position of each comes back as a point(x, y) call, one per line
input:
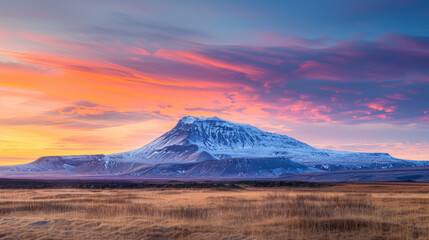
point(66, 165)
point(196, 139)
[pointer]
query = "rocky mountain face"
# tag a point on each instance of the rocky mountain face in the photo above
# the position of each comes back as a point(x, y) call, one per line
point(212, 147)
point(196, 139)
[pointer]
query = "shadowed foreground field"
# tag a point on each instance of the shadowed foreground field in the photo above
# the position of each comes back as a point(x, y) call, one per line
point(355, 211)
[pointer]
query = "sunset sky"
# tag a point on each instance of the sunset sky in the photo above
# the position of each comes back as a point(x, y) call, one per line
point(83, 77)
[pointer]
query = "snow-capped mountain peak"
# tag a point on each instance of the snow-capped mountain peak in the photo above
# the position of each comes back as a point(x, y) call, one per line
point(200, 146)
point(213, 138)
point(196, 139)
point(192, 119)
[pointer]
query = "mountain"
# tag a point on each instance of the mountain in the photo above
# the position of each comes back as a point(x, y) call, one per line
point(67, 165)
point(212, 147)
point(195, 139)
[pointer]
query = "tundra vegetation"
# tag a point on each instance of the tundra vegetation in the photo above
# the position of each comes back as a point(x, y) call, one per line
point(340, 211)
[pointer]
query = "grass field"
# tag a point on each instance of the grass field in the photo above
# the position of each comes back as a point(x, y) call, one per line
point(354, 211)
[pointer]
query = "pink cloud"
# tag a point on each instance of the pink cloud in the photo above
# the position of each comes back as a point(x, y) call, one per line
point(316, 70)
point(423, 119)
point(304, 96)
point(340, 90)
point(380, 107)
point(382, 116)
point(195, 58)
point(397, 96)
point(381, 104)
point(138, 51)
point(355, 112)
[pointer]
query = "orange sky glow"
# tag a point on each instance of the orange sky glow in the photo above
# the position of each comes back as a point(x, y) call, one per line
point(80, 92)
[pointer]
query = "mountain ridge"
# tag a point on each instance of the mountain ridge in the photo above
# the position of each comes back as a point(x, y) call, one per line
point(213, 147)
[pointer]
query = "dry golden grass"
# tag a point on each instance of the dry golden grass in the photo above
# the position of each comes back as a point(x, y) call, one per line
point(371, 211)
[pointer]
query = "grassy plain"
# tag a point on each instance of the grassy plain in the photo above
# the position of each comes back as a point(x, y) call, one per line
point(342, 211)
